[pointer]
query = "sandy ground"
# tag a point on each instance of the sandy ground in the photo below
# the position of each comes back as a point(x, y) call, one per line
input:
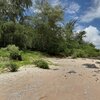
point(70, 79)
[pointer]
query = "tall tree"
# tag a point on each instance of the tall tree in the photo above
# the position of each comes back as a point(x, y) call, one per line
point(13, 10)
point(47, 30)
point(69, 27)
point(79, 36)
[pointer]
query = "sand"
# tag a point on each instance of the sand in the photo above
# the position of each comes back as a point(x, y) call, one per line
point(69, 79)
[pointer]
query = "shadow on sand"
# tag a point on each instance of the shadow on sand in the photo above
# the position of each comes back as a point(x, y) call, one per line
point(90, 66)
point(97, 62)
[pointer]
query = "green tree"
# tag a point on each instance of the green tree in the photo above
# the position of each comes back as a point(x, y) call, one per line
point(7, 30)
point(48, 33)
point(20, 35)
point(23, 36)
point(69, 27)
point(79, 37)
point(14, 10)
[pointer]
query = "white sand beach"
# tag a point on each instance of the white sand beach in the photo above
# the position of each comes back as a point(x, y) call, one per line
point(70, 79)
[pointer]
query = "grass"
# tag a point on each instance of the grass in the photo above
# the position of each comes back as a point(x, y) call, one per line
point(27, 58)
point(4, 53)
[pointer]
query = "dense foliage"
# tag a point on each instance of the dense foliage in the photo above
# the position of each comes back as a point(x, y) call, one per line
point(43, 30)
point(14, 52)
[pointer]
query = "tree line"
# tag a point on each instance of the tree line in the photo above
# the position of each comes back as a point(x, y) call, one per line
point(43, 30)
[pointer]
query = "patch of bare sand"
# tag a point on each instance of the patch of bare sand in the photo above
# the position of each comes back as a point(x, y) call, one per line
point(72, 79)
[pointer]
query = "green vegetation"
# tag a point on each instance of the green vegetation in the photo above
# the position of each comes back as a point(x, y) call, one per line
point(41, 64)
point(14, 52)
point(21, 34)
point(12, 67)
point(28, 57)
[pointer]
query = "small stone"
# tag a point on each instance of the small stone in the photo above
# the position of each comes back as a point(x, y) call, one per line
point(65, 76)
point(72, 72)
point(97, 79)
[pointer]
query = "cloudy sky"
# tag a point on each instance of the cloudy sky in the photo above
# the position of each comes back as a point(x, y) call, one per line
point(87, 12)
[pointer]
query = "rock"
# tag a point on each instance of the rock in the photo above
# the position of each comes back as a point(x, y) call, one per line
point(91, 66)
point(72, 72)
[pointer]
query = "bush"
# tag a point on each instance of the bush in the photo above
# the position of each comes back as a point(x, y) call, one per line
point(4, 53)
point(14, 52)
point(41, 64)
point(79, 53)
point(12, 48)
point(12, 67)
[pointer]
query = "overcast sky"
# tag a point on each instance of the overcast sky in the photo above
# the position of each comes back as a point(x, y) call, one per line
point(88, 14)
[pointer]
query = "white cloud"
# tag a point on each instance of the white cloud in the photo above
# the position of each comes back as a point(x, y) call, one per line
point(55, 2)
point(92, 13)
point(33, 1)
point(92, 36)
point(72, 8)
point(52, 2)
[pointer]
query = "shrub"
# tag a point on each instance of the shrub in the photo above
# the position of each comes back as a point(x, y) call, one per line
point(12, 67)
point(14, 52)
point(41, 64)
point(12, 48)
point(4, 53)
point(79, 53)
point(67, 52)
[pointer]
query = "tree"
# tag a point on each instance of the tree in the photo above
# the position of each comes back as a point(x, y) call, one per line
point(7, 30)
point(23, 36)
point(48, 33)
point(20, 35)
point(79, 37)
point(12, 27)
point(14, 10)
point(69, 27)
